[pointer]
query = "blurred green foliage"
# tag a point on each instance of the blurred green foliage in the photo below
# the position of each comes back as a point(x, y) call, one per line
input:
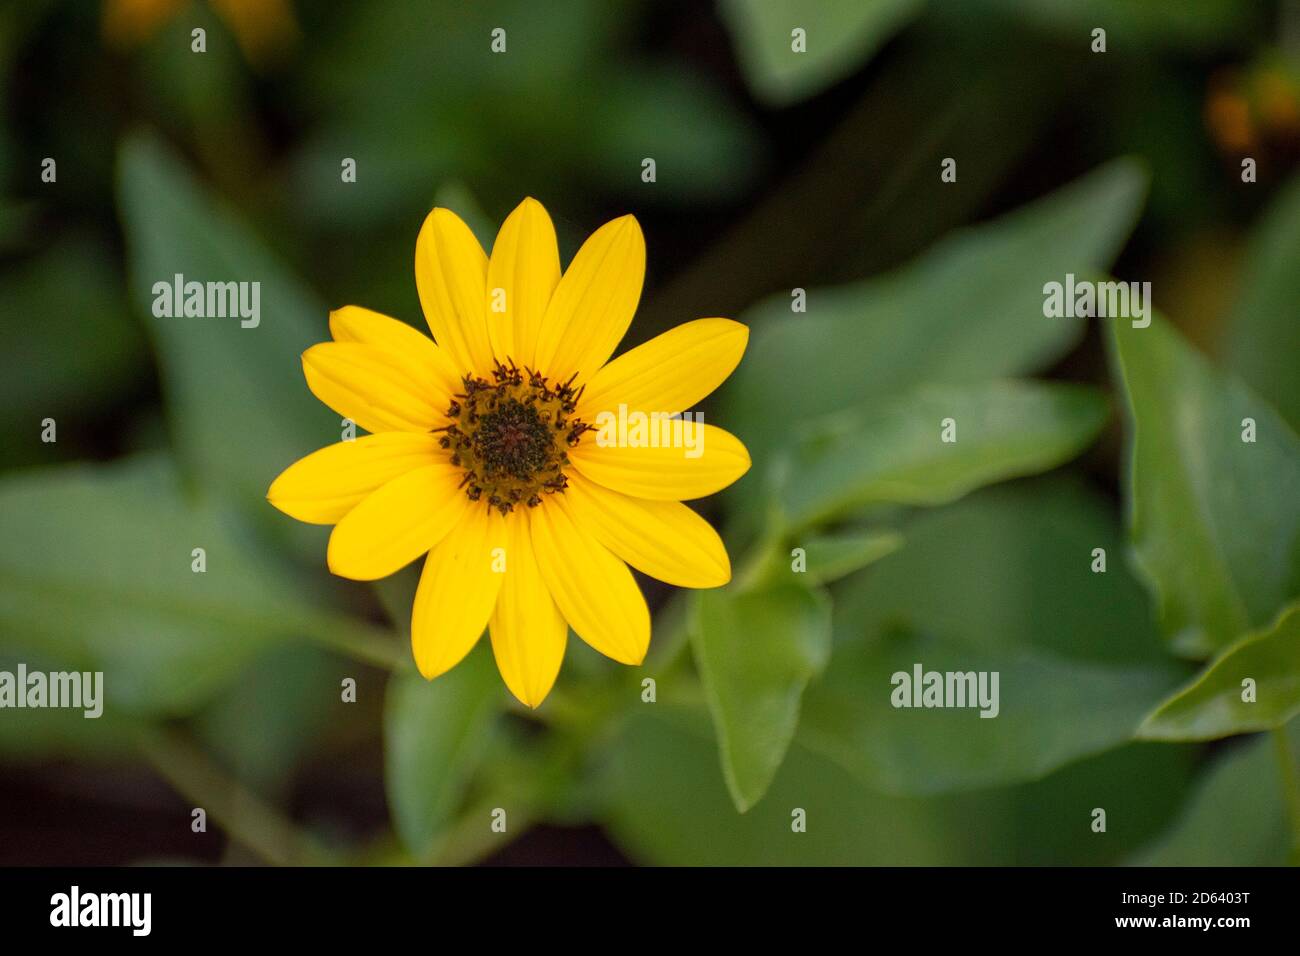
point(775, 170)
point(843, 34)
point(955, 316)
point(1262, 341)
point(81, 348)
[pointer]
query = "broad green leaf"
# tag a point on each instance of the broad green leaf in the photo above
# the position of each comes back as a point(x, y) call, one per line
point(968, 310)
point(96, 570)
point(1211, 706)
point(1049, 822)
point(756, 652)
point(666, 804)
point(1044, 712)
point(1236, 816)
point(989, 569)
point(1263, 334)
point(434, 733)
point(971, 592)
point(899, 452)
point(41, 734)
point(239, 408)
point(840, 36)
point(830, 557)
point(1214, 519)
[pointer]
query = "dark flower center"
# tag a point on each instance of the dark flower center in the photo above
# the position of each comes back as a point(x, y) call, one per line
point(510, 435)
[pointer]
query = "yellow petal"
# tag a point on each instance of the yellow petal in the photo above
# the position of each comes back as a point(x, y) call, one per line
point(665, 473)
point(457, 592)
point(130, 22)
point(528, 632)
point(593, 589)
point(451, 277)
point(396, 524)
point(594, 302)
point(671, 372)
point(265, 29)
point(324, 486)
point(365, 384)
point(411, 347)
point(664, 539)
point(522, 274)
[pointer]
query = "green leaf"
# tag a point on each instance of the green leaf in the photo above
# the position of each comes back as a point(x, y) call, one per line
point(1211, 706)
point(48, 733)
point(1264, 329)
point(989, 569)
point(1236, 816)
point(896, 453)
point(830, 557)
point(239, 409)
point(969, 310)
point(96, 570)
point(666, 805)
point(1049, 822)
point(756, 652)
point(1215, 520)
point(434, 734)
point(840, 36)
point(970, 592)
point(1047, 711)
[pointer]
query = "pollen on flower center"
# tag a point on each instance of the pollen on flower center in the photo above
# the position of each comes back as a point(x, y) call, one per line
point(511, 435)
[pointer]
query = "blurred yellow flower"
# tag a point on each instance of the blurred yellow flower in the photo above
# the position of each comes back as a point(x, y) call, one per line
point(263, 28)
point(1256, 108)
point(505, 450)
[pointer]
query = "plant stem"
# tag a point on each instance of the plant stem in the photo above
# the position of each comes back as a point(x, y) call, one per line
point(1290, 785)
point(364, 642)
point(471, 839)
point(242, 813)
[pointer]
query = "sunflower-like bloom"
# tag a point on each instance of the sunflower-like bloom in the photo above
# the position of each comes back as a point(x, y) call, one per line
point(515, 453)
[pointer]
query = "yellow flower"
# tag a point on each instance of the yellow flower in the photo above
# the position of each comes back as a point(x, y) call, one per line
point(495, 450)
point(263, 28)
